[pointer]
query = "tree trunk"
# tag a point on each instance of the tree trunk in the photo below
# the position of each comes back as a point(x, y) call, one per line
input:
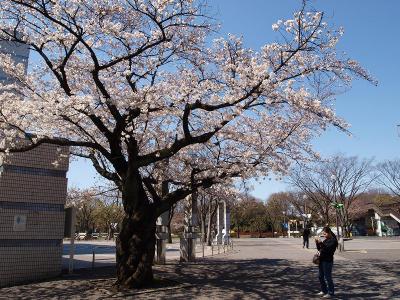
point(170, 216)
point(238, 232)
point(169, 234)
point(135, 247)
point(327, 221)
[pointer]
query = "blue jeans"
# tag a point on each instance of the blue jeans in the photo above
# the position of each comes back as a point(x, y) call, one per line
point(325, 274)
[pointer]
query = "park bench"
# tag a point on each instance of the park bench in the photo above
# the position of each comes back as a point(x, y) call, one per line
point(81, 236)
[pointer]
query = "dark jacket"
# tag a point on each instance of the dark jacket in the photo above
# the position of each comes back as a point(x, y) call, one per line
point(306, 233)
point(327, 249)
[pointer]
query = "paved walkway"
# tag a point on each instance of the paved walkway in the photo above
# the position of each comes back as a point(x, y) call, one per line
point(256, 269)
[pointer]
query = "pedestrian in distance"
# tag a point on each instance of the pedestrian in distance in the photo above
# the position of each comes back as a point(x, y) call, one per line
point(306, 237)
point(326, 249)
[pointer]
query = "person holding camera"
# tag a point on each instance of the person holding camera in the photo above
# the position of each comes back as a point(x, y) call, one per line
point(326, 249)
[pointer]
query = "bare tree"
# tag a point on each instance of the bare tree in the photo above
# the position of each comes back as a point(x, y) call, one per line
point(389, 175)
point(207, 207)
point(336, 183)
point(316, 188)
point(351, 177)
point(303, 206)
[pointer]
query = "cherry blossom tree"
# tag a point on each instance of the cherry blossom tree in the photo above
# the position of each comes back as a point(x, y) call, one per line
point(129, 84)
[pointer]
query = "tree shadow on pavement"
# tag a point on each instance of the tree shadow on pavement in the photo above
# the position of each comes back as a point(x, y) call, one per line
point(283, 279)
point(216, 278)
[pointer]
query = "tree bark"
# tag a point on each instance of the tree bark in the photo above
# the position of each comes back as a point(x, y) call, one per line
point(135, 247)
point(169, 234)
point(170, 217)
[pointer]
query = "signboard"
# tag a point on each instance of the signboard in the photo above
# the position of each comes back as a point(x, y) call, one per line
point(69, 222)
point(19, 223)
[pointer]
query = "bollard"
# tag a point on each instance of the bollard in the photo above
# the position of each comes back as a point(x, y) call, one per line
point(93, 258)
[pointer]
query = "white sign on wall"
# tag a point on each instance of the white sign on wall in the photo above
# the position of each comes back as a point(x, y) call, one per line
point(19, 223)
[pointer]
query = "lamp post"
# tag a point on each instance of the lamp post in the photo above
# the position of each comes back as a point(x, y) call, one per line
point(284, 220)
point(305, 211)
point(335, 204)
point(338, 207)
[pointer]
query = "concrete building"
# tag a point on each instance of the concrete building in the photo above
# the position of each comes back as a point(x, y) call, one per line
point(32, 196)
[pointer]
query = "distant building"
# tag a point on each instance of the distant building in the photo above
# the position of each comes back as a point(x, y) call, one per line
point(374, 219)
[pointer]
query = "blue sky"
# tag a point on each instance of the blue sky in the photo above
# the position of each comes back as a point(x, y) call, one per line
point(371, 28)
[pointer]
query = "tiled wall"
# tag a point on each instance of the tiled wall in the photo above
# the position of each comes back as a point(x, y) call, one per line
point(36, 188)
point(45, 157)
point(24, 264)
point(32, 187)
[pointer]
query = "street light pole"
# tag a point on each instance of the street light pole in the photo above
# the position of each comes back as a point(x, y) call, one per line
point(305, 211)
point(284, 220)
point(333, 177)
point(338, 207)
